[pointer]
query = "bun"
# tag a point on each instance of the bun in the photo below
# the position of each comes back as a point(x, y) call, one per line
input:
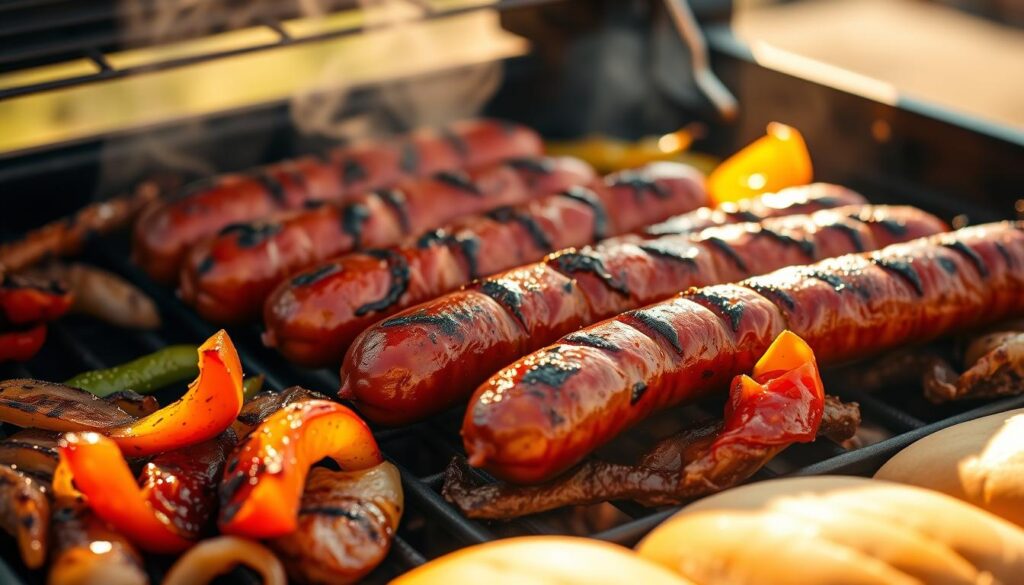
point(541, 560)
point(836, 530)
point(979, 461)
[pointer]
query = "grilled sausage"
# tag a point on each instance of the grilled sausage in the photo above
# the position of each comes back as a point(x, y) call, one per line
point(433, 355)
point(167, 229)
point(543, 413)
point(229, 277)
point(792, 201)
point(314, 317)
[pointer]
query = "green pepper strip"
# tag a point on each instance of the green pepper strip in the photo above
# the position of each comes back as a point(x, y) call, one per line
point(251, 386)
point(172, 364)
point(143, 375)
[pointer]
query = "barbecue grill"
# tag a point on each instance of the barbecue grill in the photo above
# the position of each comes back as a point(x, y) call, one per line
point(862, 134)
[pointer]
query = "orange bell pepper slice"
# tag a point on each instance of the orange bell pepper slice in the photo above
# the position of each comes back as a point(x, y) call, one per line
point(773, 162)
point(264, 480)
point(101, 473)
point(211, 404)
point(782, 403)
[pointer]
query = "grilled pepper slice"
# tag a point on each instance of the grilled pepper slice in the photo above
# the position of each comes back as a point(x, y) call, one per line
point(25, 301)
point(167, 508)
point(143, 375)
point(777, 160)
point(264, 478)
point(21, 345)
point(211, 404)
point(781, 404)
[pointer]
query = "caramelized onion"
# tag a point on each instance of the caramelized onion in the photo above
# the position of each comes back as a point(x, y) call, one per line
point(347, 522)
point(87, 552)
point(31, 451)
point(56, 407)
point(25, 514)
point(216, 556)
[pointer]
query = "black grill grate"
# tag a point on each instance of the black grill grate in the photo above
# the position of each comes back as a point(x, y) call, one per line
point(543, 94)
point(431, 526)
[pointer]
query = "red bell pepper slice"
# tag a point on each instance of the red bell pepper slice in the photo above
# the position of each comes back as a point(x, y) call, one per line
point(21, 346)
point(211, 404)
point(102, 475)
point(166, 509)
point(24, 301)
point(782, 403)
point(264, 479)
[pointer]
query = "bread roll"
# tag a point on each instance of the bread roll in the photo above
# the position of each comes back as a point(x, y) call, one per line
point(836, 530)
point(541, 560)
point(979, 461)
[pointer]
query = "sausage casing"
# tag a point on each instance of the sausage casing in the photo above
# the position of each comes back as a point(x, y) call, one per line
point(167, 228)
point(432, 356)
point(229, 277)
point(546, 411)
point(313, 317)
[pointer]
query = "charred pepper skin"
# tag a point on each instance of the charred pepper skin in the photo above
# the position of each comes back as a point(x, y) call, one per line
point(229, 277)
point(526, 429)
point(261, 492)
point(313, 318)
point(168, 228)
point(432, 356)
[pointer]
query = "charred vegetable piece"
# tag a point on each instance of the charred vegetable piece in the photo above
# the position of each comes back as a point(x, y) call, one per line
point(104, 295)
point(31, 451)
point(66, 236)
point(21, 345)
point(25, 514)
point(600, 481)
point(777, 160)
point(216, 556)
point(87, 552)
point(782, 403)
point(264, 404)
point(167, 508)
point(56, 407)
point(263, 482)
point(133, 403)
point(26, 300)
point(145, 374)
point(995, 367)
point(209, 407)
point(608, 154)
point(346, 524)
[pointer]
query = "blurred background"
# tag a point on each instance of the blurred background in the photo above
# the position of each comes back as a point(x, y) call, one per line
point(963, 54)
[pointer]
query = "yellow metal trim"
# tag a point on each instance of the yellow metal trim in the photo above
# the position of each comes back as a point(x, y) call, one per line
point(253, 78)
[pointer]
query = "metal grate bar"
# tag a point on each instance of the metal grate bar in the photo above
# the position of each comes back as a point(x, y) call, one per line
point(409, 556)
point(82, 354)
point(180, 312)
point(879, 411)
point(467, 531)
point(631, 532)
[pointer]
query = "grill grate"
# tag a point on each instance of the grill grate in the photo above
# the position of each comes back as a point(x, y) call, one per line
point(431, 526)
point(544, 97)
